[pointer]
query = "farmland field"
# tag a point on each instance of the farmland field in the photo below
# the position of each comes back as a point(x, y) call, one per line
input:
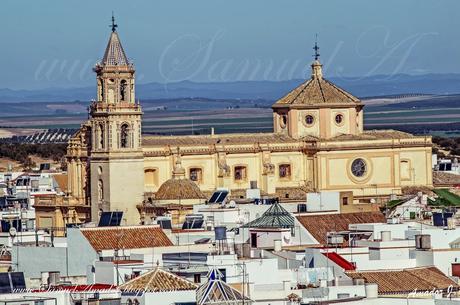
point(428, 114)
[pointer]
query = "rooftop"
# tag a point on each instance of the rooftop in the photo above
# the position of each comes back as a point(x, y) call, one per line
point(222, 139)
point(132, 237)
point(158, 280)
point(275, 217)
point(441, 178)
point(317, 92)
point(406, 280)
point(319, 225)
point(176, 189)
point(61, 180)
point(114, 54)
point(374, 135)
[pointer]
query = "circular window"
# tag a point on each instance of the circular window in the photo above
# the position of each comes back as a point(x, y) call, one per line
point(339, 118)
point(309, 119)
point(283, 121)
point(359, 167)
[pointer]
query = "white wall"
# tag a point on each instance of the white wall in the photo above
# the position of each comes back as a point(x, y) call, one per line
point(162, 298)
point(323, 201)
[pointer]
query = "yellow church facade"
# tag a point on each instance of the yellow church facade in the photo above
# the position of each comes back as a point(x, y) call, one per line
point(318, 144)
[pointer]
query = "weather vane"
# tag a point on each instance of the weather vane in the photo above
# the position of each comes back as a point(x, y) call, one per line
point(316, 48)
point(113, 25)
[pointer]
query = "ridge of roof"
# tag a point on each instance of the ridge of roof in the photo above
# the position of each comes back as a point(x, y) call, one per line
point(158, 280)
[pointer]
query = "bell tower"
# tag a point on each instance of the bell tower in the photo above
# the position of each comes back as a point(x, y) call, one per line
point(116, 162)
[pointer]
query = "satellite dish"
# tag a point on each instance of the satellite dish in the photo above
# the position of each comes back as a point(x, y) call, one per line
point(13, 232)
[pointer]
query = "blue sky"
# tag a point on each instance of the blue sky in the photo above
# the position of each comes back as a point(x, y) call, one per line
point(54, 43)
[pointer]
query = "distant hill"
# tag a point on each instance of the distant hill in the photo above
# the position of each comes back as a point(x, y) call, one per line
point(269, 90)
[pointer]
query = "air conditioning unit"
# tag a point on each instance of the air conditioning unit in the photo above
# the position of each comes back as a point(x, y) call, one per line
point(392, 220)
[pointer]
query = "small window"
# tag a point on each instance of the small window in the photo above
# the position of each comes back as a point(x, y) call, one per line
point(124, 136)
point(339, 118)
point(240, 173)
point(283, 121)
point(254, 240)
point(345, 200)
point(123, 86)
point(196, 174)
point(197, 278)
point(101, 136)
point(285, 171)
point(309, 119)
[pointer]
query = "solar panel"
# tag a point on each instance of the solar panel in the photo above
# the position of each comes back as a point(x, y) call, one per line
point(110, 219)
point(104, 221)
point(218, 197)
point(6, 225)
point(165, 224)
point(116, 218)
point(214, 197)
point(194, 224)
point(12, 281)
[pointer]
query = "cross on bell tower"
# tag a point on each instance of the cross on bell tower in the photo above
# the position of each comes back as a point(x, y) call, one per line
point(113, 25)
point(316, 48)
point(116, 124)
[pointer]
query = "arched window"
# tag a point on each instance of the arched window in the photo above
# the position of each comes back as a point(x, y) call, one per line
point(100, 191)
point(123, 86)
point(100, 131)
point(285, 171)
point(124, 136)
point(196, 174)
point(405, 170)
point(240, 173)
point(101, 89)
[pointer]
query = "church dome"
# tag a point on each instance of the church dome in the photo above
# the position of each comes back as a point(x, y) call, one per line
point(175, 189)
point(317, 92)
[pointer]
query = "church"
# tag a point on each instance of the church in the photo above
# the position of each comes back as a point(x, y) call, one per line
point(318, 144)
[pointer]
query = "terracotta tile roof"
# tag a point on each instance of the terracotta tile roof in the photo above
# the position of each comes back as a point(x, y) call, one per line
point(317, 91)
point(132, 237)
point(441, 178)
point(320, 225)
point(374, 135)
point(406, 280)
point(223, 139)
point(175, 189)
point(61, 180)
point(157, 280)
